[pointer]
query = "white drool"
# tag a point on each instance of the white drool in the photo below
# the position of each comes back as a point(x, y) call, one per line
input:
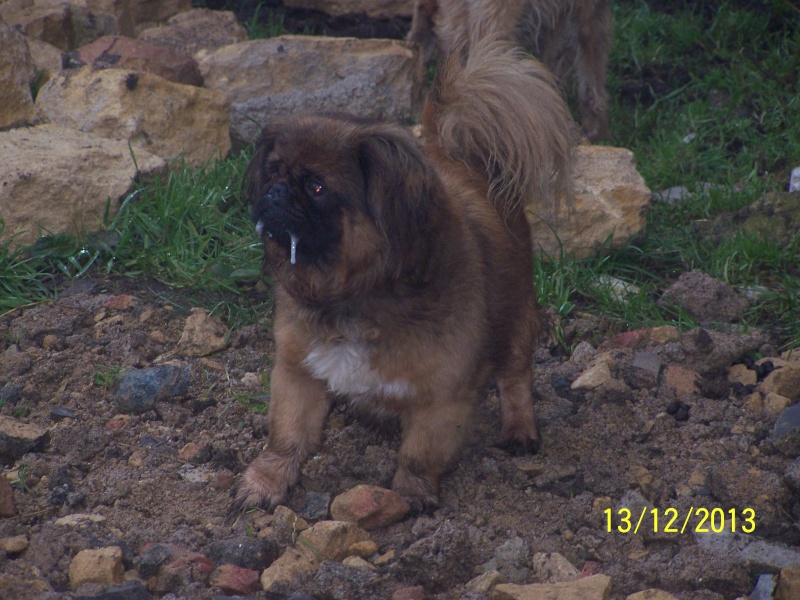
point(295, 239)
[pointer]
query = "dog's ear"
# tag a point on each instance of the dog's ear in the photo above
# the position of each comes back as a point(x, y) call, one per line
point(255, 176)
point(402, 190)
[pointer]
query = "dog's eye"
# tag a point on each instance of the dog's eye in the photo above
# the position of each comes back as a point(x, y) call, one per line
point(315, 189)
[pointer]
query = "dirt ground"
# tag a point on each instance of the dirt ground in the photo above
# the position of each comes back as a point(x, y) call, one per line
point(638, 439)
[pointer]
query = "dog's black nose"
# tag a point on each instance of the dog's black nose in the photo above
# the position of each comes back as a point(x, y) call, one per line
point(278, 193)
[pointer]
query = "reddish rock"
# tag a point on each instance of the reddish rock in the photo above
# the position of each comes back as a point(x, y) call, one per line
point(629, 339)
point(125, 53)
point(680, 380)
point(201, 562)
point(233, 579)
point(410, 593)
point(590, 567)
point(370, 507)
point(120, 302)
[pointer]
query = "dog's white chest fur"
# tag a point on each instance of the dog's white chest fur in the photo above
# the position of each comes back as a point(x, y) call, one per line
point(346, 368)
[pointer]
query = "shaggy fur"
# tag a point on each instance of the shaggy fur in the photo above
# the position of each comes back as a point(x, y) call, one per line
point(403, 268)
point(567, 35)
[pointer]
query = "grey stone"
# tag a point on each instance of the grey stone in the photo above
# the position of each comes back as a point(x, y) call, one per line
point(316, 506)
point(759, 553)
point(786, 432)
point(246, 552)
point(704, 298)
point(763, 589)
point(138, 390)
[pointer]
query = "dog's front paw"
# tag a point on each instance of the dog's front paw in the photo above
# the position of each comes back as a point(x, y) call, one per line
point(265, 483)
point(520, 444)
point(419, 493)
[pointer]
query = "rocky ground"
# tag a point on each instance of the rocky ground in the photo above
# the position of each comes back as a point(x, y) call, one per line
point(126, 419)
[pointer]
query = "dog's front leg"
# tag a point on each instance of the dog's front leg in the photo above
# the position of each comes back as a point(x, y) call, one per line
point(298, 408)
point(432, 435)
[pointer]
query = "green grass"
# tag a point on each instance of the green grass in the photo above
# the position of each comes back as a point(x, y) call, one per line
point(190, 232)
point(701, 92)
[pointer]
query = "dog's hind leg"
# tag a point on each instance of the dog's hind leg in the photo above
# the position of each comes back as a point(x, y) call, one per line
point(514, 379)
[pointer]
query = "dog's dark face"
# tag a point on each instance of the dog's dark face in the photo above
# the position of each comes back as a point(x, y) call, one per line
point(340, 204)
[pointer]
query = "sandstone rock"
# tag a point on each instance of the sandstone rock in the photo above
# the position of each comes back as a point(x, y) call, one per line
point(46, 20)
point(610, 200)
point(287, 525)
point(17, 72)
point(596, 587)
point(63, 181)
point(7, 508)
point(136, 55)
point(370, 507)
point(197, 30)
point(331, 540)
point(14, 545)
point(784, 381)
point(149, 13)
point(377, 9)
point(235, 580)
point(739, 373)
point(704, 298)
point(103, 565)
point(18, 438)
point(92, 19)
point(363, 549)
point(593, 377)
point(79, 520)
point(161, 117)
point(552, 567)
point(788, 586)
point(652, 594)
point(203, 334)
point(357, 562)
point(264, 79)
point(46, 58)
point(485, 583)
point(291, 564)
point(774, 404)
point(327, 540)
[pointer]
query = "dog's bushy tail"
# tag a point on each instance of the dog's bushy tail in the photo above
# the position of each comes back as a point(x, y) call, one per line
point(498, 111)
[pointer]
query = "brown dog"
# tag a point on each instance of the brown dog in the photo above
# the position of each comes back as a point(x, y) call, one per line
point(404, 268)
point(567, 35)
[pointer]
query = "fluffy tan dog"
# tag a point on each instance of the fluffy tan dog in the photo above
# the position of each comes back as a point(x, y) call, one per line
point(404, 268)
point(567, 35)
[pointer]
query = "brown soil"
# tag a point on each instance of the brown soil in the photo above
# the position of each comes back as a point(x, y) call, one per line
point(599, 446)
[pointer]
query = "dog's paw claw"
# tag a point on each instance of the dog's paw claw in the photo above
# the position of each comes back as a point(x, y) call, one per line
point(517, 447)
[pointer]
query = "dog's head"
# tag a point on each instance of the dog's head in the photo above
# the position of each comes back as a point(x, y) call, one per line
point(342, 205)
